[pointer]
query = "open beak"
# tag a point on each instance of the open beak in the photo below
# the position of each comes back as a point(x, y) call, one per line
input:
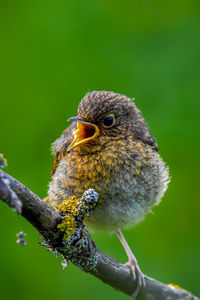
point(85, 132)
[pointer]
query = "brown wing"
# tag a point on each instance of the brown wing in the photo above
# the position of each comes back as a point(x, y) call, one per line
point(55, 164)
point(61, 144)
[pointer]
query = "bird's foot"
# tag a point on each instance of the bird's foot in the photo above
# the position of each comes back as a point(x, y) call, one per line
point(133, 265)
point(136, 273)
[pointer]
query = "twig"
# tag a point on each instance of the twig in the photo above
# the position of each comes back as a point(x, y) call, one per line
point(45, 220)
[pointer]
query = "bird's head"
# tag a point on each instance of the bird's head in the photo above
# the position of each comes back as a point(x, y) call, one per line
point(111, 116)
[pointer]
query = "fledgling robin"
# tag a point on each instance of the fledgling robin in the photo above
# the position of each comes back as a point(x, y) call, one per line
point(108, 147)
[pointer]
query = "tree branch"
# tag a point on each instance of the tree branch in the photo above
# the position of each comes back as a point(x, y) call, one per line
point(45, 220)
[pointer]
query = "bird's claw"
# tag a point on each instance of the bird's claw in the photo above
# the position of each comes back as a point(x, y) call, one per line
point(136, 273)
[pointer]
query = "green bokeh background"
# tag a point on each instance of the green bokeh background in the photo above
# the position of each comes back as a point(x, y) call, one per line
point(51, 54)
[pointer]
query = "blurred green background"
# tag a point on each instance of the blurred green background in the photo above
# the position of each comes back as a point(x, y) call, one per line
point(52, 53)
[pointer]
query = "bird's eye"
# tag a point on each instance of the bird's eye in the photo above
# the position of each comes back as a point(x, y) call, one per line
point(108, 121)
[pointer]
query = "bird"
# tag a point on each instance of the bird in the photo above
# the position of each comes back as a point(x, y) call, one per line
point(109, 147)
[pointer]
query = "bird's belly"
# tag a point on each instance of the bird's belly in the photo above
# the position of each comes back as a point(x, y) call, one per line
point(122, 203)
point(115, 214)
point(125, 196)
point(128, 197)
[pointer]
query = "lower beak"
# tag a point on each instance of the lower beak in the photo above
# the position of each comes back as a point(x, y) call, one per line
point(85, 132)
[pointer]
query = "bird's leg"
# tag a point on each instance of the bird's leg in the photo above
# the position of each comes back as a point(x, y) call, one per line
point(132, 264)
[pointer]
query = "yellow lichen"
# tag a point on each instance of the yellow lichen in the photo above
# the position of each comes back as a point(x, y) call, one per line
point(177, 287)
point(3, 161)
point(67, 226)
point(71, 209)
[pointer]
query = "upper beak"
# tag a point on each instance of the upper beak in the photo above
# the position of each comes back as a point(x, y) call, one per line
point(85, 132)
